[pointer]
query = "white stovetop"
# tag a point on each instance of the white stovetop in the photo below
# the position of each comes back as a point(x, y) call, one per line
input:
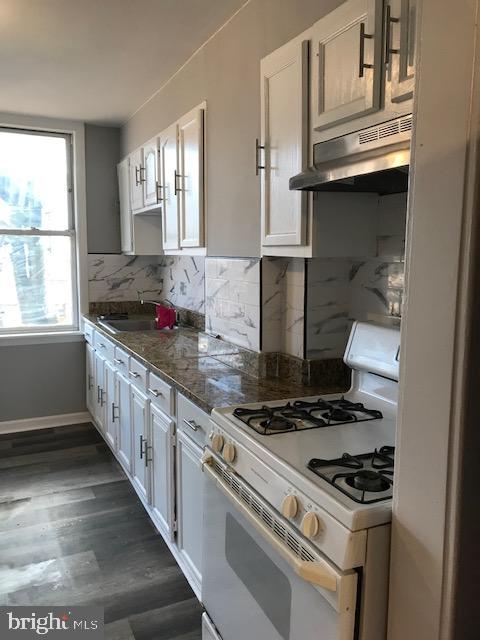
point(289, 453)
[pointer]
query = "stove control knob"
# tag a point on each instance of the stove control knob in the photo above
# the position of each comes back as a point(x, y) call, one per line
point(310, 525)
point(289, 507)
point(217, 442)
point(229, 452)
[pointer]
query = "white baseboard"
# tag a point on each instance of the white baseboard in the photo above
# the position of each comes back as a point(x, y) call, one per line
point(30, 424)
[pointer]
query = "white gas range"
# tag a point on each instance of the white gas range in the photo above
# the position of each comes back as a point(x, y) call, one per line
point(297, 506)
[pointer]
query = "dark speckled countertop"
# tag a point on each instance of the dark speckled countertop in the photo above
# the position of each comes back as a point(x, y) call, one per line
point(188, 360)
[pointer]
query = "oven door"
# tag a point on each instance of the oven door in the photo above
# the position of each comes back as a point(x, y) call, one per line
point(254, 585)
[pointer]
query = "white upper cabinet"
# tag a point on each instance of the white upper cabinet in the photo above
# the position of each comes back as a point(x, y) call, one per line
point(347, 63)
point(400, 24)
point(137, 171)
point(283, 151)
point(169, 199)
point(151, 191)
point(188, 183)
point(126, 230)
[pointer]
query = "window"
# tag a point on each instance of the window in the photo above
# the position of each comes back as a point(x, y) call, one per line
point(37, 234)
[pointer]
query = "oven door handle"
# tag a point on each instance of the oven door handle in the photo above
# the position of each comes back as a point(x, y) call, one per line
point(318, 573)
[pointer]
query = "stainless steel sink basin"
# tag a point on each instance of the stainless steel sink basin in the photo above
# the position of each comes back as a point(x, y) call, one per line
point(128, 324)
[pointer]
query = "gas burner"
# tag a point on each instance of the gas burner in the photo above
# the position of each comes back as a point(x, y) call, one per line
point(306, 414)
point(359, 477)
point(366, 480)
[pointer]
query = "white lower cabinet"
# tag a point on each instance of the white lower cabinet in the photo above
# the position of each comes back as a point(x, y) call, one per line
point(161, 445)
point(99, 406)
point(124, 442)
point(189, 505)
point(140, 451)
point(91, 387)
point(111, 406)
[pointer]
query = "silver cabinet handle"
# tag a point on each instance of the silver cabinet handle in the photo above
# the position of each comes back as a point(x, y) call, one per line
point(142, 442)
point(192, 424)
point(90, 381)
point(118, 360)
point(134, 374)
point(155, 392)
point(137, 171)
point(102, 344)
point(142, 176)
point(159, 191)
point(362, 65)
point(148, 447)
point(114, 417)
point(176, 188)
point(258, 166)
point(98, 394)
point(388, 33)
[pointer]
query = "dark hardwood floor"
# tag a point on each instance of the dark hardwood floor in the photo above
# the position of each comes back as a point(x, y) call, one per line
point(73, 532)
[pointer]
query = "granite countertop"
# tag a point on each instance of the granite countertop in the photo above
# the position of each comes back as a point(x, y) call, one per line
point(188, 360)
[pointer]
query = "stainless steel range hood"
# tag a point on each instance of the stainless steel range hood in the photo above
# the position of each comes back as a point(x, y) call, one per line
point(374, 160)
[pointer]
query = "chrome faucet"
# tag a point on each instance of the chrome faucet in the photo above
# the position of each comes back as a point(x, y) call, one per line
point(156, 303)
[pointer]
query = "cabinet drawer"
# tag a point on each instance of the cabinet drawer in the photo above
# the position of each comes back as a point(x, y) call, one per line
point(161, 394)
point(192, 420)
point(137, 374)
point(89, 333)
point(122, 361)
point(104, 347)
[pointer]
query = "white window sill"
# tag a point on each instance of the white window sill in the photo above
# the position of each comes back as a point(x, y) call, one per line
point(23, 339)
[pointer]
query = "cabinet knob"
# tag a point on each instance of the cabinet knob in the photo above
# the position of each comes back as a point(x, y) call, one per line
point(290, 507)
point(229, 452)
point(310, 525)
point(217, 443)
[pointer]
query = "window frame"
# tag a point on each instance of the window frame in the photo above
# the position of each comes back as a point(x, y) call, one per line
point(74, 132)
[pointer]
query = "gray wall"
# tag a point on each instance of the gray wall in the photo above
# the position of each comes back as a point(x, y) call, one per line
point(42, 380)
point(226, 73)
point(102, 153)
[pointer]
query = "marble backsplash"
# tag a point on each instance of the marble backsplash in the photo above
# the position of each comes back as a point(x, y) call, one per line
point(232, 300)
point(118, 278)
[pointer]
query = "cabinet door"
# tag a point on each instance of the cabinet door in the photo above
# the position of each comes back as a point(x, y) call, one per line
point(400, 47)
point(189, 505)
point(160, 450)
point(125, 210)
point(111, 406)
point(168, 172)
point(138, 412)
point(91, 387)
point(124, 433)
point(347, 63)
point(284, 104)
point(101, 394)
point(190, 178)
point(150, 173)
point(137, 172)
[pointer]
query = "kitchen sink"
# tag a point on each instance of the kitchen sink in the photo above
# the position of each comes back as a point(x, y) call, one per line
point(128, 324)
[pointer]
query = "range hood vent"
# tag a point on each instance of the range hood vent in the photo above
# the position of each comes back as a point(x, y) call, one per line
point(371, 160)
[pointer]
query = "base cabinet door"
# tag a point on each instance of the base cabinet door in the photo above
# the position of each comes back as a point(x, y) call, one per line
point(161, 452)
point(99, 413)
point(111, 407)
point(124, 442)
point(91, 387)
point(139, 426)
point(189, 505)
point(347, 63)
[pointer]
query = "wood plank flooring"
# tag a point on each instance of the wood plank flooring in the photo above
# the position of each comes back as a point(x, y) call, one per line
point(73, 532)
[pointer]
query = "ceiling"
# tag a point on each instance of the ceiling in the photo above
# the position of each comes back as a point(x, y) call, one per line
point(97, 60)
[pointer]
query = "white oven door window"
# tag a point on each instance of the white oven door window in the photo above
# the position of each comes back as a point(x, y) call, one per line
point(250, 591)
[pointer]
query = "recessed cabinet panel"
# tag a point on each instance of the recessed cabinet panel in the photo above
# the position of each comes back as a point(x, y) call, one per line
point(162, 488)
point(400, 21)
point(150, 173)
point(347, 63)
point(111, 410)
point(138, 413)
point(124, 444)
point(99, 412)
point(126, 229)
point(283, 151)
point(91, 388)
point(189, 180)
point(168, 177)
